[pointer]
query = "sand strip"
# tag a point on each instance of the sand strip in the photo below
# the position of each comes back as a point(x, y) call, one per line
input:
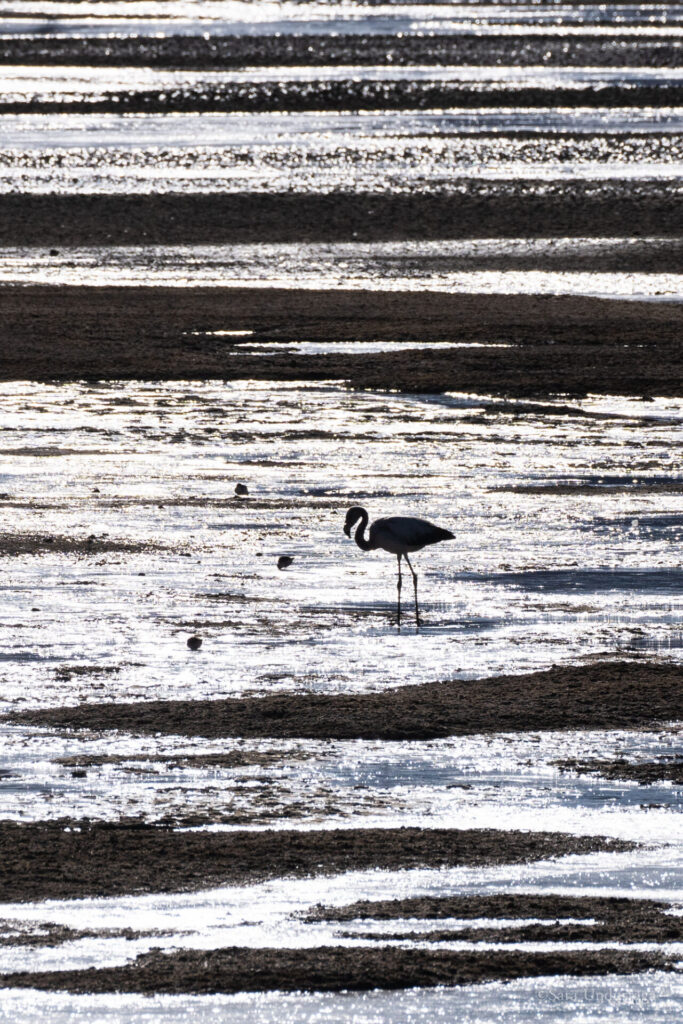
point(472, 208)
point(565, 918)
point(348, 95)
point(328, 969)
point(222, 52)
point(645, 773)
point(505, 905)
point(598, 345)
point(605, 695)
point(72, 859)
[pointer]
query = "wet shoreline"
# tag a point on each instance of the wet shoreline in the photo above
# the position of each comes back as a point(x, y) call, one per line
point(309, 800)
point(598, 346)
point(330, 969)
point(306, 50)
point(76, 859)
point(605, 695)
point(470, 209)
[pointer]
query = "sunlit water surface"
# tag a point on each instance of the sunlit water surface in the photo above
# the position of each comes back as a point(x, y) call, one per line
point(390, 266)
point(531, 579)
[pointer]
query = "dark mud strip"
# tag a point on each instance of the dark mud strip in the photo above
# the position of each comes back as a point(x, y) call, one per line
point(606, 695)
point(328, 969)
point(616, 919)
point(562, 490)
point(200, 53)
point(37, 934)
point(234, 759)
point(598, 346)
point(75, 859)
point(470, 209)
point(309, 97)
point(531, 933)
point(15, 544)
point(621, 770)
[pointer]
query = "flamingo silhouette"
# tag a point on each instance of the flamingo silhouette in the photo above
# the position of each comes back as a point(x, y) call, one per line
point(398, 535)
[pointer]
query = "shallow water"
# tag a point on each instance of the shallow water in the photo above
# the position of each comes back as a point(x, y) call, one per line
point(654, 998)
point(404, 267)
point(242, 17)
point(165, 459)
point(532, 579)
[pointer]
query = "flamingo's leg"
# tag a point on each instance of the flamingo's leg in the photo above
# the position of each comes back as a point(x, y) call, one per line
point(417, 610)
point(399, 585)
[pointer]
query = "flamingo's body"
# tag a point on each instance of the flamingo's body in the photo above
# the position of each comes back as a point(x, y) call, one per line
point(400, 536)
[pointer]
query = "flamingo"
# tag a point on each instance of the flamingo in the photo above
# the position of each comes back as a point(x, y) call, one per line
point(398, 535)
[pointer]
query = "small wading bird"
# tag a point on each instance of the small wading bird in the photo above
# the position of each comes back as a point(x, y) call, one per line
point(398, 535)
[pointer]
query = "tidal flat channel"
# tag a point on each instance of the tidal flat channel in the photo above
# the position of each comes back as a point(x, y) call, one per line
point(259, 263)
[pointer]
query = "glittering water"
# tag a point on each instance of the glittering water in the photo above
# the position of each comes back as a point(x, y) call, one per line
point(532, 579)
point(403, 266)
point(242, 17)
point(165, 459)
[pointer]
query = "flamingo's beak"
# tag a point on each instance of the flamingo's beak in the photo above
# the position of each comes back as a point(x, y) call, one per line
point(347, 529)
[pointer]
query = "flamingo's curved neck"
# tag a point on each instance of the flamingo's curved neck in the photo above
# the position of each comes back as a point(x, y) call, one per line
point(359, 538)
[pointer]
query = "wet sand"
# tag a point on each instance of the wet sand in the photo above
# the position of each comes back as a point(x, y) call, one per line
point(34, 935)
point(74, 859)
point(558, 345)
point(597, 345)
point(17, 544)
point(644, 772)
point(471, 208)
point(329, 969)
point(604, 695)
point(594, 918)
point(322, 96)
point(310, 50)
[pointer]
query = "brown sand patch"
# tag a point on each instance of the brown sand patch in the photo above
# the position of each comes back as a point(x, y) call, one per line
point(607, 919)
point(233, 759)
point(645, 772)
point(311, 50)
point(350, 94)
point(49, 933)
point(601, 695)
point(328, 969)
point(472, 208)
point(563, 490)
point(73, 859)
point(65, 673)
point(603, 346)
point(14, 544)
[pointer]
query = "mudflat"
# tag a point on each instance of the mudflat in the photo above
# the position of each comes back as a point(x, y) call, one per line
point(593, 918)
point(73, 859)
point(604, 695)
point(329, 969)
point(554, 344)
point(510, 208)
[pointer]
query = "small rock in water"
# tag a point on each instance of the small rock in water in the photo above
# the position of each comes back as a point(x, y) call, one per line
point(54, 252)
point(241, 489)
point(283, 561)
point(194, 643)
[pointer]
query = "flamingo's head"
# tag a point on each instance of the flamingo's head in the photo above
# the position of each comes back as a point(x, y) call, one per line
point(352, 517)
